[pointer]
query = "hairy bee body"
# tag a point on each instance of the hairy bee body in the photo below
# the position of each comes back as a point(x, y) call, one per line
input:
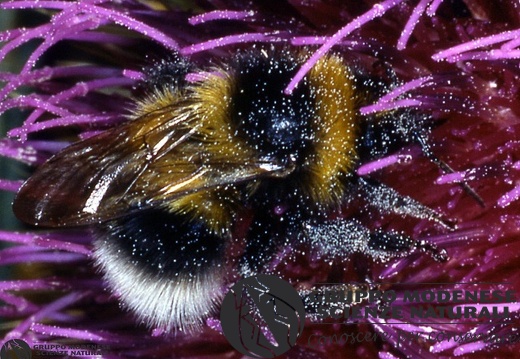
point(166, 189)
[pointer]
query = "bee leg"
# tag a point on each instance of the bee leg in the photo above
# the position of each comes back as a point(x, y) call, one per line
point(427, 151)
point(322, 300)
point(388, 200)
point(339, 238)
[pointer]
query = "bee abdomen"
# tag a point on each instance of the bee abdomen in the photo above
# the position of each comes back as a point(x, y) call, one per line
point(162, 265)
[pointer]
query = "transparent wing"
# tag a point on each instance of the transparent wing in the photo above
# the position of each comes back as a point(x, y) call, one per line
point(147, 162)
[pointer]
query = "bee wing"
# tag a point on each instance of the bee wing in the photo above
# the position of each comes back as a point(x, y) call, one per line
point(147, 162)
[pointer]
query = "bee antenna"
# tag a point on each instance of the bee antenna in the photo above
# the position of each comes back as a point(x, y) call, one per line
point(427, 151)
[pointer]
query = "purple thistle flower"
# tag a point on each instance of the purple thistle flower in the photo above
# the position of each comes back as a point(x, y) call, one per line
point(458, 61)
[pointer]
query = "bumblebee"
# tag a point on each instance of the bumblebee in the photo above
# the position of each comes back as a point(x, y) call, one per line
point(208, 146)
